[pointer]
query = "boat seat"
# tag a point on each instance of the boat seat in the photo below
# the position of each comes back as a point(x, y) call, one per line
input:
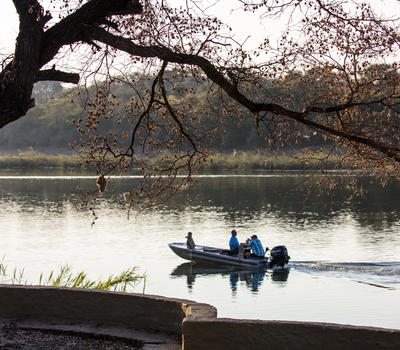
point(212, 250)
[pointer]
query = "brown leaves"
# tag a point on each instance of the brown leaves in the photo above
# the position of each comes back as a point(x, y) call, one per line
point(101, 183)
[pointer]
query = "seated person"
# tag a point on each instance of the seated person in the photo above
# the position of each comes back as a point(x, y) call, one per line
point(234, 244)
point(247, 249)
point(190, 242)
point(257, 249)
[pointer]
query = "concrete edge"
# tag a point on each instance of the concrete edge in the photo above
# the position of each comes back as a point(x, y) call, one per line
point(197, 311)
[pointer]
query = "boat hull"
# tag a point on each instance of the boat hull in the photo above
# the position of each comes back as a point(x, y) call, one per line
point(214, 255)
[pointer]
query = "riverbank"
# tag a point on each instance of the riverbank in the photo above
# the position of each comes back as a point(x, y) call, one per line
point(236, 161)
point(35, 160)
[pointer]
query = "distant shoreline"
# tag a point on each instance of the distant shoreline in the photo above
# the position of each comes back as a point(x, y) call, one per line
point(237, 161)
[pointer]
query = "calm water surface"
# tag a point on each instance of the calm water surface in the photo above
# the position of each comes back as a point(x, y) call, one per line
point(346, 254)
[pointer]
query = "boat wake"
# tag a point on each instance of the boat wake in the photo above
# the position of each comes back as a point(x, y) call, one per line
point(381, 268)
point(380, 274)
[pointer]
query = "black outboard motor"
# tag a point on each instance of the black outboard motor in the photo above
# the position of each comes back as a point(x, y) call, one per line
point(279, 256)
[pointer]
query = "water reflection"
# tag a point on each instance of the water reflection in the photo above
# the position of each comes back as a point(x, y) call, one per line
point(232, 199)
point(272, 206)
point(252, 278)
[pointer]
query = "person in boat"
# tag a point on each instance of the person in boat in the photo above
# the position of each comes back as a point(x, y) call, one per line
point(247, 249)
point(189, 241)
point(257, 249)
point(233, 244)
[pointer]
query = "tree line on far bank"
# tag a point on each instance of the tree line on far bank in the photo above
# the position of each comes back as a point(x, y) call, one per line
point(51, 126)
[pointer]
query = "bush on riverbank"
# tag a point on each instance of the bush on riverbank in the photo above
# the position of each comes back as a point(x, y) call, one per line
point(242, 161)
point(261, 161)
point(31, 159)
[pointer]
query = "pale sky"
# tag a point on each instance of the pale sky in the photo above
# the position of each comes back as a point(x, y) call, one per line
point(244, 24)
point(8, 25)
point(9, 21)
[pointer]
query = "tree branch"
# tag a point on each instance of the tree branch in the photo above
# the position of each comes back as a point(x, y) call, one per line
point(57, 75)
point(92, 12)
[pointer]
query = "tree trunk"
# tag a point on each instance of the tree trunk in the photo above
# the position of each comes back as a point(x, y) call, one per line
point(19, 75)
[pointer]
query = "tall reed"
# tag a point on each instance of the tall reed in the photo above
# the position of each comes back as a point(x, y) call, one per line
point(128, 279)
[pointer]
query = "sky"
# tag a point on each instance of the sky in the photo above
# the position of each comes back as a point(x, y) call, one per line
point(8, 25)
point(9, 21)
point(242, 24)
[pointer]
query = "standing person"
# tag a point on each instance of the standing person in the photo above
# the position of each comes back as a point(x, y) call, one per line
point(190, 242)
point(234, 243)
point(257, 249)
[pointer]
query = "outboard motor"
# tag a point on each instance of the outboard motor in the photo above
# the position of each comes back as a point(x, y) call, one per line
point(279, 256)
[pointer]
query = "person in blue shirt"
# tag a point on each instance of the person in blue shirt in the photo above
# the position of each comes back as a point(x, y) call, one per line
point(257, 249)
point(234, 243)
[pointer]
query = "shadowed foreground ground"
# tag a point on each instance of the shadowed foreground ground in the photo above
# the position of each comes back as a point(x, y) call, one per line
point(13, 338)
point(24, 335)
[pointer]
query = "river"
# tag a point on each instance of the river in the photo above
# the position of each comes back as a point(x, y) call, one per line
point(345, 254)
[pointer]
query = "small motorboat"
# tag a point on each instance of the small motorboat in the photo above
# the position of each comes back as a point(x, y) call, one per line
point(278, 258)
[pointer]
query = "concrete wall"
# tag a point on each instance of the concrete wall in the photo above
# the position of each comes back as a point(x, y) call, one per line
point(217, 334)
point(197, 323)
point(131, 310)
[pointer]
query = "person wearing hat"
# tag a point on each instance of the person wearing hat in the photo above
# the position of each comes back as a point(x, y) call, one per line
point(234, 244)
point(190, 242)
point(257, 249)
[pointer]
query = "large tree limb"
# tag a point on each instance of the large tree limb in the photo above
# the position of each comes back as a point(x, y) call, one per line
point(165, 54)
point(92, 12)
point(57, 75)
